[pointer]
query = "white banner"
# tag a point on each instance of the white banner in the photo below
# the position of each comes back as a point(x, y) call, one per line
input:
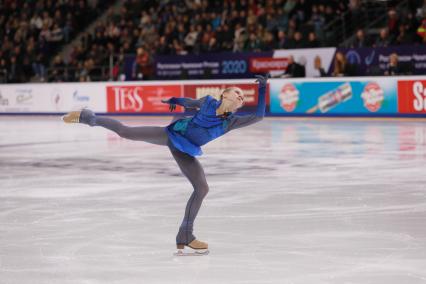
point(52, 98)
point(306, 58)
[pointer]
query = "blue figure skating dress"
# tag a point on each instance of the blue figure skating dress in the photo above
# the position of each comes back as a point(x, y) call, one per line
point(189, 134)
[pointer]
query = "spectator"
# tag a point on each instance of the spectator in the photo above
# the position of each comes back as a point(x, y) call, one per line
point(253, 43)
point(227, 39)
point(421, 31)
point(403, 37)
point(118, 71)
point(142, 65)
point(294, 69)
point(271, 23)
point(13, 71)
point(421, 11)
point(318, 67)
point(312, 40)
point(213, 45)
point(268, 42)
point(393, 22)
point(191, 38)
point(39, 66)
point(342, 67)
point(163, 47)
point(397, 68)
point(317, 19)
point(240, 37)
point(297, 41)
point(3, 71)
point(282, 42)
point(383, 40)
point(394, 68)
point(360, 39)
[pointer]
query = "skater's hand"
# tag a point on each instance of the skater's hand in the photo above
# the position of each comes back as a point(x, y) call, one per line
point(172, 104)
point(262, 80)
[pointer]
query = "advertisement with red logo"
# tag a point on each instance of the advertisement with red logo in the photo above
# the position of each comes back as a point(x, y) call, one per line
point(142, 98)
point(198, 91)
point(267, 64)
point(334, 97)
point(412, 96)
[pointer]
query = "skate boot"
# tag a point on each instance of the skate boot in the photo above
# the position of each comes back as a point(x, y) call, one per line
point(196, 247)
point(85, 116)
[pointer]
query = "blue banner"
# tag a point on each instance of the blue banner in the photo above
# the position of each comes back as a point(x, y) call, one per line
point(374, 61)
point(226, 65)
point(360, 97)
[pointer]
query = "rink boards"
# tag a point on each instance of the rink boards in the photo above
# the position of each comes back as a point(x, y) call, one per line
point(350, 96)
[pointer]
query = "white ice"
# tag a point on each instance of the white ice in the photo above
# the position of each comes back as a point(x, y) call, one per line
point(291, 201)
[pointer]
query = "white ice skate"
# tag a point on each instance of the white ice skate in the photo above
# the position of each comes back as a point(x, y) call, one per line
point(194, 248)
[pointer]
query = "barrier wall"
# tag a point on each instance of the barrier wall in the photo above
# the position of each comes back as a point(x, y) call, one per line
point(352, 96)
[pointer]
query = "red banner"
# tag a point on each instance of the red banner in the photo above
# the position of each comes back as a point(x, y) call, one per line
point(198, 91)
point(141, 99)
point(266, 64)
point(412, 96)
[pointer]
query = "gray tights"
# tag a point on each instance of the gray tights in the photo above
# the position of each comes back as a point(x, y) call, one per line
point(189, 166)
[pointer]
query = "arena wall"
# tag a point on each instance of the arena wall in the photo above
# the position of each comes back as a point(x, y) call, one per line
point(349, 96)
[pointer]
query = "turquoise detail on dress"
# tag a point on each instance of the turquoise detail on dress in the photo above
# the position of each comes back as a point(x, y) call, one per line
point(181, 125)
point(225, 124)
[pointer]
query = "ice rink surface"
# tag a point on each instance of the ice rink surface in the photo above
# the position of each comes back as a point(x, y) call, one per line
point(291, 201)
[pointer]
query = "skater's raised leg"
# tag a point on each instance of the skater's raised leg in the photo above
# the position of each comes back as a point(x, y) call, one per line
point(151, 134)
point(193, 170)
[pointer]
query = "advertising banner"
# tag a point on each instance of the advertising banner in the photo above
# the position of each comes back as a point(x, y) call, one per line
point(306, 57)
point(343, 97)
point(224, 65)
point(201, 90)
point(51, 98)
point(141, 98)
point(412, 96)
point(231, 65)
point(374, 61)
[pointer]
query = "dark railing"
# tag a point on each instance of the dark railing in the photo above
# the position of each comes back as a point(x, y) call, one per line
point(371, 14)
point(379, 21)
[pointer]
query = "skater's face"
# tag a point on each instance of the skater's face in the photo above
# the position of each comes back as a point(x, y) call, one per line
point(233, 98)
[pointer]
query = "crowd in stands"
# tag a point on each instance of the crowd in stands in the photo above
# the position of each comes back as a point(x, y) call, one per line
point(403, 27)
point(32, 31)
point(182, 27)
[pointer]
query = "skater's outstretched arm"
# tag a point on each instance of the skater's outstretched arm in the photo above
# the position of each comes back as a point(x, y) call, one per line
point(238, 121)
point(185, 102)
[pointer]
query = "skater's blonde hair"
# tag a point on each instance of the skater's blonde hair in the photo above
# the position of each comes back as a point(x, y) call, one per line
point(232, 99)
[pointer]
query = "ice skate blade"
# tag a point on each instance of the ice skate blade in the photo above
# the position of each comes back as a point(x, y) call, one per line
point(187, 252)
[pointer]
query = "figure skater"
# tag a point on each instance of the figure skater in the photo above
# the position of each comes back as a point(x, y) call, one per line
point(184, 138)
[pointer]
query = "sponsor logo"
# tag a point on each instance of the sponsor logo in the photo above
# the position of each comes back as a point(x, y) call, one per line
point(3, 101)
point(56, 99)
point(289, 96)
point(412, 96)
point(140, 98)
point(333, 98)
point(372, 96)
point(419, 102)
point(127, 98)
point(369, 58)
point(24, 96)
point(266, 64)
point(79, 98)
point(353, 57)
